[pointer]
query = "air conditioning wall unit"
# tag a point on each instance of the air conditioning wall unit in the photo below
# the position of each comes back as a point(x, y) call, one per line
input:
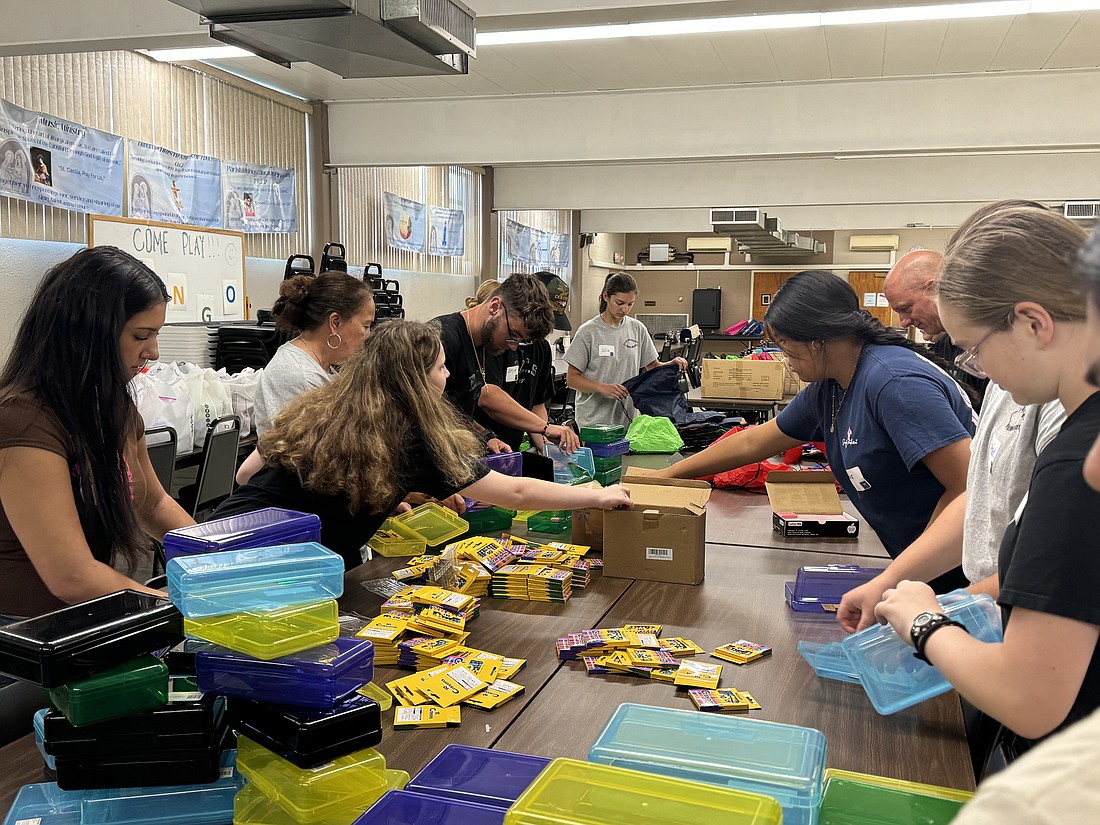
point(1081, 210)
point(873, 243)
point(717, 243)
point(758, 234)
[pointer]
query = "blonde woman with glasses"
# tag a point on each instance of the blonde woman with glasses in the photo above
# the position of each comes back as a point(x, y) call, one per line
point(1009, 297)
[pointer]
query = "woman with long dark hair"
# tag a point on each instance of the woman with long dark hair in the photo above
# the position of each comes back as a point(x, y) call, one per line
point(896, 426)
point(351, 450)
point(77, 491)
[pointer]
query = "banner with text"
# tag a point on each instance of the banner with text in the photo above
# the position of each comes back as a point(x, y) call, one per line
point(446, 231)
point(404, 223)
point(258, 198)
point(173, 188)
point(527, 245)
point(59, 163)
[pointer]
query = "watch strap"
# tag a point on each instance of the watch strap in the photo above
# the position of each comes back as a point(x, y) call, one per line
point(920, 641)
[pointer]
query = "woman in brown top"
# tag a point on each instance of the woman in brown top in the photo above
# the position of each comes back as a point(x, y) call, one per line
point(77, 491)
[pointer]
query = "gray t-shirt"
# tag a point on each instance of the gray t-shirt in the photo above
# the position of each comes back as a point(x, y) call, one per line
point(1008, 440)
point(609, 355)
point(291, 372)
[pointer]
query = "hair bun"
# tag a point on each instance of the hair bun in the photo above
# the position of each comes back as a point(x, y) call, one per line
point(296, 289)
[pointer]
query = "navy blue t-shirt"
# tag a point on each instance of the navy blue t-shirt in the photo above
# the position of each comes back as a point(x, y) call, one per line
point(899, 408)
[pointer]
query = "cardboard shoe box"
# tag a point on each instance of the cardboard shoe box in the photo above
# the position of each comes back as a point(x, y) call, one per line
point(744, 378)
point(663, 539)
point(807, 505)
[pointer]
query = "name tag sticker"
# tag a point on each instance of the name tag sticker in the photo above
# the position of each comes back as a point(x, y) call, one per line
point(511, 374)
point(607, 350)
point(855, 475)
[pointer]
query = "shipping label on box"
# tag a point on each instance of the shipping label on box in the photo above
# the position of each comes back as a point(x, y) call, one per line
point(807, 505)
point(664, 537)
point(743, 378)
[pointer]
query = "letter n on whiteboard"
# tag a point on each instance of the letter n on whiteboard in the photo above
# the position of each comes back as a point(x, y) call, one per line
point(232, 299)
point(177, 292)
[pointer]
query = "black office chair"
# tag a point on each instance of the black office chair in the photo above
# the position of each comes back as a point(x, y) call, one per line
point(18, 703)
point(217, 468)
point(161, 444)
point(694, 356)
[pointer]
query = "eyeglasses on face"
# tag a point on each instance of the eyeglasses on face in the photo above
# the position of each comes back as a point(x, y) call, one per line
point(513, 338)
point(967, 360)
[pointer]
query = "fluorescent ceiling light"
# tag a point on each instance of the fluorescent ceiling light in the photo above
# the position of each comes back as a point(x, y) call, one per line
point(201, 53)
point(764, 22)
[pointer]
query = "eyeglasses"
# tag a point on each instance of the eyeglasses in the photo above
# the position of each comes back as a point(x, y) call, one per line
point(513, 338)
point(967, 360)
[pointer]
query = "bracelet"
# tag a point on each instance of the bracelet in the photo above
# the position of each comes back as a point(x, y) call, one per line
point(922, 639)
point(544, 429)
point(488, 436)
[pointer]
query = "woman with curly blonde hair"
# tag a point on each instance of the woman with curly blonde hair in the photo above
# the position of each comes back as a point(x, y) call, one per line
point(351, 450)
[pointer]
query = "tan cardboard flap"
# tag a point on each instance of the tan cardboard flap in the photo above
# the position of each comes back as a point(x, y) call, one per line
point(668, 495)
point(805, 493)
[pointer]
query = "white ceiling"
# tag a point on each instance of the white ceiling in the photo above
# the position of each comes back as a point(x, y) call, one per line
point(1026, 43)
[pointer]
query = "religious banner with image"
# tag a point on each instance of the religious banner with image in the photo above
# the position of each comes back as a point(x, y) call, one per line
point(446, 231)
point(56, 162)
point(169, 187)
point(258, 198)
point(404, 223)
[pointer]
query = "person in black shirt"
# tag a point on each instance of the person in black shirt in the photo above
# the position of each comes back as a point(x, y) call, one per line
point(910, 289)
point(1009, 296)
point(1088, 268)
point(350, 450)
point(514, 316)
point(527, 375)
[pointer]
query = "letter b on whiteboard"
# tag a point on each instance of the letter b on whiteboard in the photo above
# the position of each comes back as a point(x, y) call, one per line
point(232, 299)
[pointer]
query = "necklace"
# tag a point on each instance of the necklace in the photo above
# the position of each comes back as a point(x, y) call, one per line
point(311, 351)
point(477, 356)
point(838, 396)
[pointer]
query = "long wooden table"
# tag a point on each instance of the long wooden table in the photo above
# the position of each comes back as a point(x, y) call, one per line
point(562, 709)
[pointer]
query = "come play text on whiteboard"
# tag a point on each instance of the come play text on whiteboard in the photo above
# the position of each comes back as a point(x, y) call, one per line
point(203, 269)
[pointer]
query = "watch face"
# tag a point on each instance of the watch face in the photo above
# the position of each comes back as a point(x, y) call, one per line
point(923, 619)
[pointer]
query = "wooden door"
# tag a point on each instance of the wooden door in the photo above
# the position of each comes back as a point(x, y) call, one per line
point(868, 287)
point(764, 286)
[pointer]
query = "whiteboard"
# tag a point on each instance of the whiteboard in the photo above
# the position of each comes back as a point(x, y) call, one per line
point(203, 269)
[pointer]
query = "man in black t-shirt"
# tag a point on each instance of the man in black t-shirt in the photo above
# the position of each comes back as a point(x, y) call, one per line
point(527, 375)
point(512, 318)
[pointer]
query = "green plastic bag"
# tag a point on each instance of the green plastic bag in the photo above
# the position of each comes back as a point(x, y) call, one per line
point(652, 434)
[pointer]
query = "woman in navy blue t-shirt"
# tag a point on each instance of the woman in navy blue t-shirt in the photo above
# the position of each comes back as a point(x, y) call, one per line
point(896, 426)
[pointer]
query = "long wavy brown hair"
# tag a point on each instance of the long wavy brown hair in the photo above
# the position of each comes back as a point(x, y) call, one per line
point(349, 435)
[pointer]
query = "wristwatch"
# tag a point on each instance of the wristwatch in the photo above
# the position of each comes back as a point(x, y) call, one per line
point(924, 625)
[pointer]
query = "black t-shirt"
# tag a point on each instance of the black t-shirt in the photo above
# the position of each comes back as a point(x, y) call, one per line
point(1049, 560)
point(467, 378)
point(527, 375)
point(945, 348)
point(341, 531)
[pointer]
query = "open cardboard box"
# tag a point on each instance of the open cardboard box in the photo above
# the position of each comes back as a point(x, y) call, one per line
point(663, 538)
point(807, 505)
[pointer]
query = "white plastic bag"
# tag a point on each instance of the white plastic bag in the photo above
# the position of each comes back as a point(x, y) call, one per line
point(163, 399)
point(210, 399)
point(242, 391)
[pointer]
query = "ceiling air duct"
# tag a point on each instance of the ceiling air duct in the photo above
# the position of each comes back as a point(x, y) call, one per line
point(758, 234)
point(351, 38)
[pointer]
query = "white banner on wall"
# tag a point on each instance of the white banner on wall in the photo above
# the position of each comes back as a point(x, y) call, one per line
point(525, 244)
point(404, 223)
point(56, 162)
point(446, 231)
point(173, 188)
point(258, 198)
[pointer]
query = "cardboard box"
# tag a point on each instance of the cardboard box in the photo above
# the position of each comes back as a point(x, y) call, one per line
point(743, 378)
point(807, 505)
point(588, 524)
point(663, 539)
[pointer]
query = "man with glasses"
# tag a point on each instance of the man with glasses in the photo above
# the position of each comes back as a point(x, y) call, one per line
point(910, 289)
point(515, 316)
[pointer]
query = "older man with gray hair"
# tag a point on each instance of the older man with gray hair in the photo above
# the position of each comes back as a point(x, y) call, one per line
point(910, 289)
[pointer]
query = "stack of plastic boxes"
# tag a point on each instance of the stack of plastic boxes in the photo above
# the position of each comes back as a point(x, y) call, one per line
point(608, 444)
point(305, 734)
point(488, 518)
point(262, 528)
point(460, 785)
point(785, 763)
point(128, 744)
